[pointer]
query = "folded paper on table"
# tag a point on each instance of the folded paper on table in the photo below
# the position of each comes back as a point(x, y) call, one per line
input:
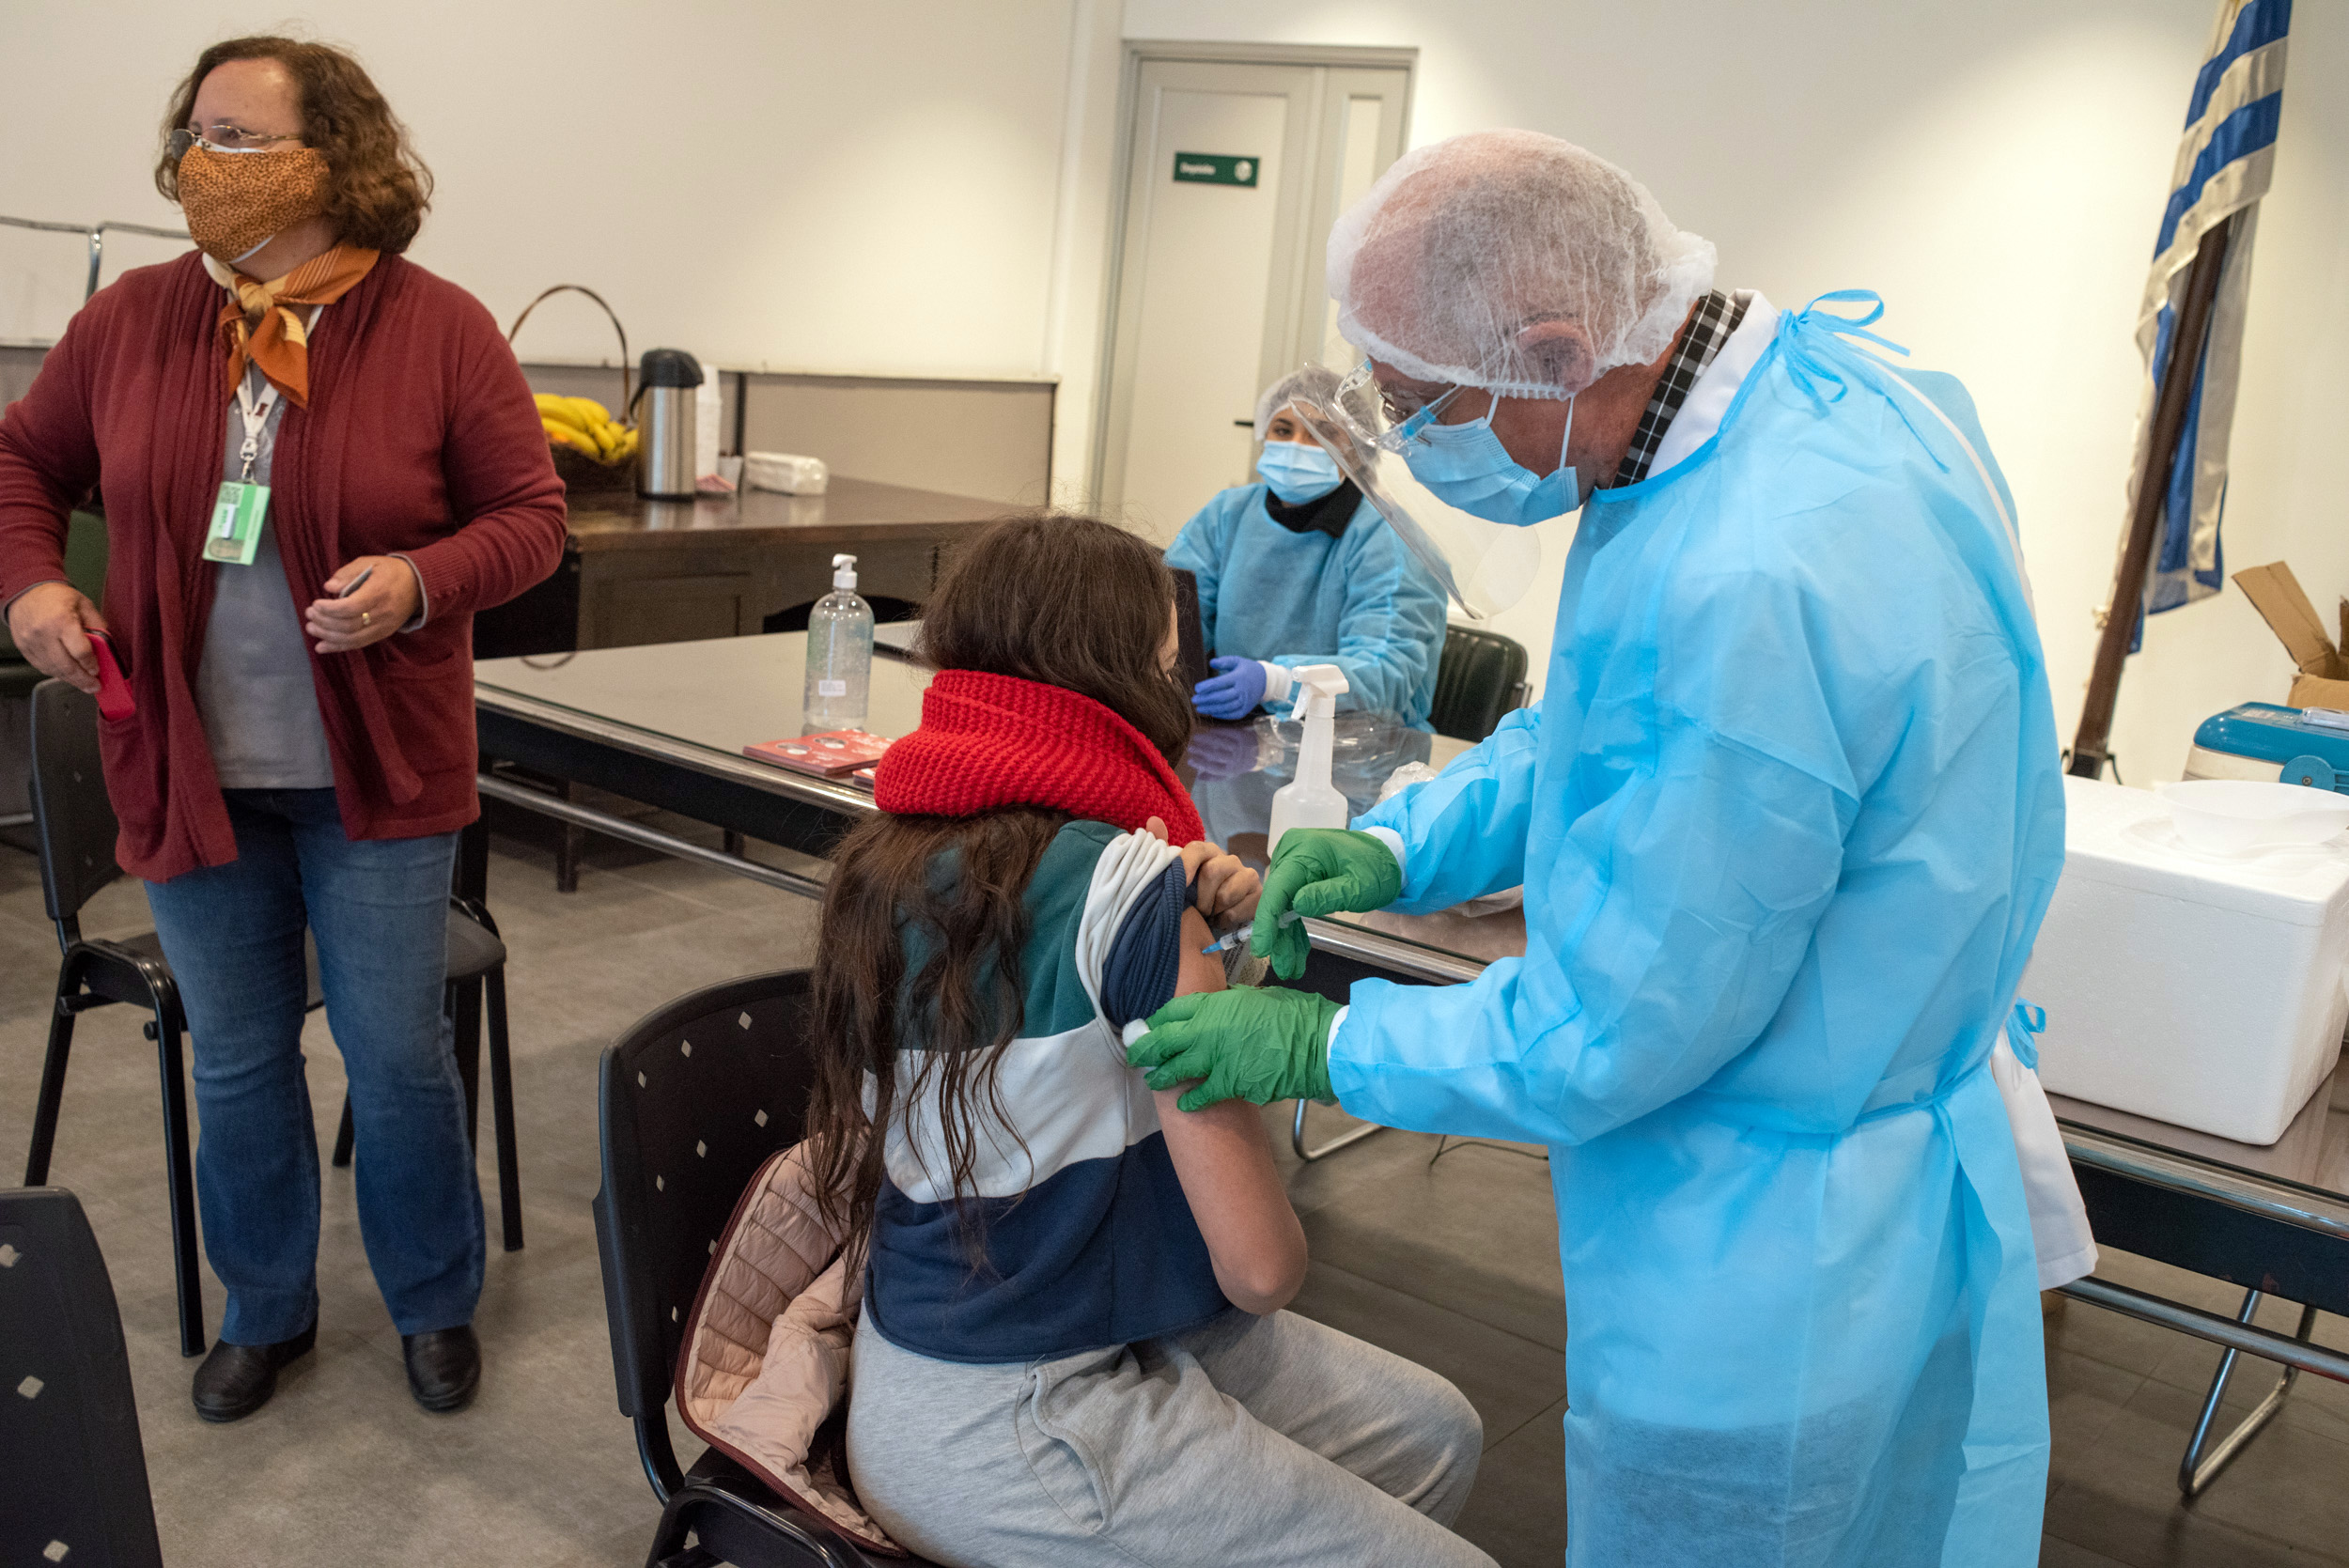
point(827, 755)
point(786, 471)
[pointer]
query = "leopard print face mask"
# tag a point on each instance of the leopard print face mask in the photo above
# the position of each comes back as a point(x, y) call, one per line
point(237, 202)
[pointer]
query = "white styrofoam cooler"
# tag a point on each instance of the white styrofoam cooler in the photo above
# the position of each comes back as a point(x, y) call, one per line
point(2202, 991)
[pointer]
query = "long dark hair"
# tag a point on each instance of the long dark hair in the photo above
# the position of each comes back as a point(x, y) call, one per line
point(1047, 596)
point(376, 189)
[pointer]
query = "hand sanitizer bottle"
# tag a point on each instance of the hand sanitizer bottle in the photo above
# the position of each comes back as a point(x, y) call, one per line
point(1310, 800)
point(839, 655)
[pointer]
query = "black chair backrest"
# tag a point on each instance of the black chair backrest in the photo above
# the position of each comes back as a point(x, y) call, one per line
point(75, 1472)
point(85, 566)
point(694, 1098)
point(71, 815)
point(1476, 680)
point(1191, 653)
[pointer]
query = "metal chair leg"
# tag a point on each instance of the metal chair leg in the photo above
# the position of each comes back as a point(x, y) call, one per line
point(670, 1548)
point(462, 1001)
point(345, 1135)
point(1451, 1142)
point(166, 1033)
point(569, 848)
point(502, 1113)
point(53, 1079)
point(2197, 1470)
point(1296, 1137)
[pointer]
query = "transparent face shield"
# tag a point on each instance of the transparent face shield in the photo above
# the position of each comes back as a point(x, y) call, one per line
point(1484, 567)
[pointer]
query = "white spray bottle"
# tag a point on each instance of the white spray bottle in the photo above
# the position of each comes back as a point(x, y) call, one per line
point(1310, 800)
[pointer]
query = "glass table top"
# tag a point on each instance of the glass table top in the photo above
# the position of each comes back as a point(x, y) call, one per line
point(716, 696)
point(699, 703)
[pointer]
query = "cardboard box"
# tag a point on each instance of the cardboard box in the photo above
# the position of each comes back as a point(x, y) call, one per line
point(2277, 595)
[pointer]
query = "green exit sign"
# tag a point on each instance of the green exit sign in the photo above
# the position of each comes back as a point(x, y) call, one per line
point(1214, 168)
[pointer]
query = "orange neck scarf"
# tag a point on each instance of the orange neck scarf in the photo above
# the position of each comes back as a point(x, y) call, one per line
point(268, 323)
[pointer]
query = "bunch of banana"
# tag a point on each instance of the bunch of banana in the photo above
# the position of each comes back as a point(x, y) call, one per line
point(586, 426)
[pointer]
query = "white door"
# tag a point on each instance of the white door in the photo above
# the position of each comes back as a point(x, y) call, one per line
point(1236, 172)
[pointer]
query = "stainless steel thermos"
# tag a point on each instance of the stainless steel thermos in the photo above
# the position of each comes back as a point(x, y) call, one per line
point(664, 453)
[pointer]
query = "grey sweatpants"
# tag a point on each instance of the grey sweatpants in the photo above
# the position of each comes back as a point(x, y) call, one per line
point(1273, 1441)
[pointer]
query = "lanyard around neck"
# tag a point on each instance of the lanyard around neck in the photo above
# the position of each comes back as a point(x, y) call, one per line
point(257, 410)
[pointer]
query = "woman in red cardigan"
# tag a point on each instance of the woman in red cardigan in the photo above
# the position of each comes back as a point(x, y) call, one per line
point(317, 461)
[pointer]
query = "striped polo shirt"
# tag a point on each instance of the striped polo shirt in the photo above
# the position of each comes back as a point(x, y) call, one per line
point(1089, 1240)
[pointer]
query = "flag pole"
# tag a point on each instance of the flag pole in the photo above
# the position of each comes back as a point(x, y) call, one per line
point(2092, 741)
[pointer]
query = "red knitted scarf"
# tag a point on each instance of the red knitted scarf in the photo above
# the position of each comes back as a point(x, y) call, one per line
point(988, 741)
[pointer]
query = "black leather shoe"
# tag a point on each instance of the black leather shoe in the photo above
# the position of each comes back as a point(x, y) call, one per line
point(237, 1379)
point(443, 1367)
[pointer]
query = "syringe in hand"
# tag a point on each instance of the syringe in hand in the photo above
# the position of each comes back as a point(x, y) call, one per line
point(1226, 944)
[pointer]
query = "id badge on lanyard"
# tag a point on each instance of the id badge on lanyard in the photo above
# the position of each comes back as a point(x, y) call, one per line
point(241, 509)
point(238, 514)
point(242, 506)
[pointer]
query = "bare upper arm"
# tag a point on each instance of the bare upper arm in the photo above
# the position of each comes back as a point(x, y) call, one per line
point(1198, 972)
point(1225, 1162)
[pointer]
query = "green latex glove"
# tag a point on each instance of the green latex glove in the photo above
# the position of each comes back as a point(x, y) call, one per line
point(1320, 871)
point(1245, 1045)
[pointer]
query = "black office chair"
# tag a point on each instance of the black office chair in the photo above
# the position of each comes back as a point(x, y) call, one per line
point(75, 825)
point(76, 1488)
point(85, 568)
point(694, 1099)
point(1479, 681)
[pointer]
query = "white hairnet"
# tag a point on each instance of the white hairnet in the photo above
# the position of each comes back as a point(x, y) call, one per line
point(1319, 384)
point(1453, 262)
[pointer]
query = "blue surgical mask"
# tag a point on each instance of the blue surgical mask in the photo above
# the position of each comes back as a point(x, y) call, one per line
point(1466, 466)
point(1297, 473)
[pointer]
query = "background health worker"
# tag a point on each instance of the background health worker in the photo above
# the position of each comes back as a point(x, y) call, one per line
point(1787, 818)
point(1300, 569)
point(299, 756)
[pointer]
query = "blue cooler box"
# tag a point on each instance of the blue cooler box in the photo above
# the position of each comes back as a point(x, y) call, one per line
point(2266, 742)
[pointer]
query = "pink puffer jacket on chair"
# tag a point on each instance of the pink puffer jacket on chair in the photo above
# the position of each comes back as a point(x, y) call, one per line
point(765, 1357)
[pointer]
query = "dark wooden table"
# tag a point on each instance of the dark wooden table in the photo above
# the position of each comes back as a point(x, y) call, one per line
point(637, 571)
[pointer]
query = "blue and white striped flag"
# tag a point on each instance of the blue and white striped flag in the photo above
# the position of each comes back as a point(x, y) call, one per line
point(2225, 163)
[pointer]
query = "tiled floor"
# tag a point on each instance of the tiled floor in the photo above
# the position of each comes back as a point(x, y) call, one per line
point(1451, 1261)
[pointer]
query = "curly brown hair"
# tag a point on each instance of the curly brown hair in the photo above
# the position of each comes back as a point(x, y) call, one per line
point(378, 189)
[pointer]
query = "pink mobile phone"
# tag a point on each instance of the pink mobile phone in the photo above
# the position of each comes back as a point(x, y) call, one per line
point(114, 693)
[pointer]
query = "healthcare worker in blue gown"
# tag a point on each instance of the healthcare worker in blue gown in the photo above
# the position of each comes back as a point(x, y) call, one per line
point(1787, 817)
point(1300, 569)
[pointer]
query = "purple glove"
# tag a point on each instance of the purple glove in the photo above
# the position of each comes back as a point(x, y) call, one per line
point(1233, 694)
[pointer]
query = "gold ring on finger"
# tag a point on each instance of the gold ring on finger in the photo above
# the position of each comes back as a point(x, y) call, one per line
point(366, 616)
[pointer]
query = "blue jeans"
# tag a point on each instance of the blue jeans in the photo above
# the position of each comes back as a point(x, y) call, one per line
point(379, 909)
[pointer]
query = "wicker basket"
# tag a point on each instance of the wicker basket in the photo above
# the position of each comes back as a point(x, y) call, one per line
point(582, 475)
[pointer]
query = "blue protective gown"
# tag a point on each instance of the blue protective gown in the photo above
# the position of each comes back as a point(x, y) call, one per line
point(1787, 819)
point(1361, 601)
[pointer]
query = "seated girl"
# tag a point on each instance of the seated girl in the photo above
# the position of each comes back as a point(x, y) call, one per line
point(1072, 1349)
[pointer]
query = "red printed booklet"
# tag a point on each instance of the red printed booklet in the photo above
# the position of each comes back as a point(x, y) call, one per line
point(827, 755)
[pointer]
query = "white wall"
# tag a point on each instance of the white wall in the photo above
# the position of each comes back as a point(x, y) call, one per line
point(795, 184)
point(1996, 171)
point(924, 186)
